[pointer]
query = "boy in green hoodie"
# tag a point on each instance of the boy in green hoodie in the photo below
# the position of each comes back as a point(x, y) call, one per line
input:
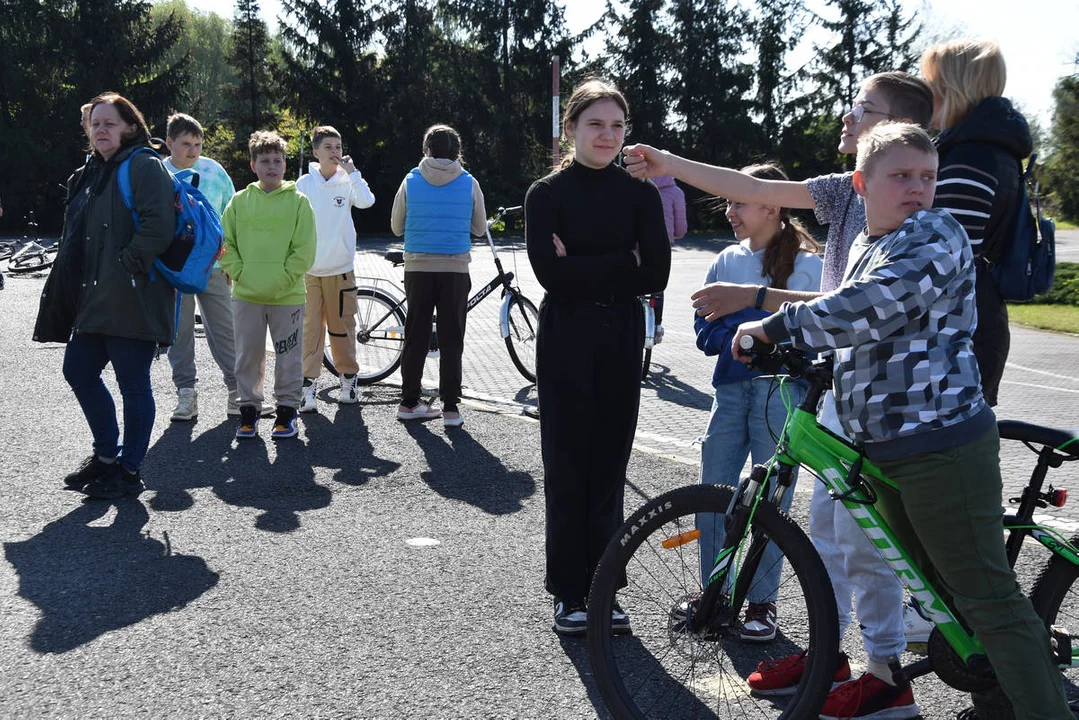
point(269, 245)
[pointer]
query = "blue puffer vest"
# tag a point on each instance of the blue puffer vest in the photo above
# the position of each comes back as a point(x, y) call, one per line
point(438, 219)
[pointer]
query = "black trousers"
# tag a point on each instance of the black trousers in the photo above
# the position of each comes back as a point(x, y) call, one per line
point(588, 370)
point(426, 292)
point(992, 337)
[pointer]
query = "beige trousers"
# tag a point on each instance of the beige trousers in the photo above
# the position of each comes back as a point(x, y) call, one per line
point(330, 309)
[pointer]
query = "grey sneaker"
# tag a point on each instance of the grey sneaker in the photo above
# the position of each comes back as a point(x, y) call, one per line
point(349, 395)
point(187, 407)
point(308, 402)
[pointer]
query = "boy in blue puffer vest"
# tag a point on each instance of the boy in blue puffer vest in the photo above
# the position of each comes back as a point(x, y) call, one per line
point(438, 208)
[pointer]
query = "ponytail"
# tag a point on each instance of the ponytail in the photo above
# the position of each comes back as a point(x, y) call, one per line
point(792, 238)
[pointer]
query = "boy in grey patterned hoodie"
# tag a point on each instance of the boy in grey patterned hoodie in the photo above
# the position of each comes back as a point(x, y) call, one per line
point(907, 388)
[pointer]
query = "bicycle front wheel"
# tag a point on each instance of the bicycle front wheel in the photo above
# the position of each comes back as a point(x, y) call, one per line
point(665, 671)
point(1056, 600)
point(33, 261)
point(380, 336)
point(521, 341)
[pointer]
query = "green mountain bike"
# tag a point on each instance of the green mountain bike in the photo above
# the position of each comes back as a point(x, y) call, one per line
point(684, 658)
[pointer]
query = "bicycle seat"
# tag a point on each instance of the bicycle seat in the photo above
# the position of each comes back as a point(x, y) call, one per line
point(1040, 435)
point(396, 257)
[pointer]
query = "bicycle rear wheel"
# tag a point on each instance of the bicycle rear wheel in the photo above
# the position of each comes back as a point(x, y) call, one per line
point(380, 336)
point(521, 341)
point(33, 261)
point(647, 364)
point(1056, 600)
point(663, 671)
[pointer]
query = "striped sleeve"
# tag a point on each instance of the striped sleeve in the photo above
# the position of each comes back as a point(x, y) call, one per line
point(967, 191)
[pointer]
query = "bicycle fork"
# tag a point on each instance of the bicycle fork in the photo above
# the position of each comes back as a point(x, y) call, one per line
point(719, 606)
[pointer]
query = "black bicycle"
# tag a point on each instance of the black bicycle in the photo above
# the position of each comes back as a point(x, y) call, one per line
point(381, 310)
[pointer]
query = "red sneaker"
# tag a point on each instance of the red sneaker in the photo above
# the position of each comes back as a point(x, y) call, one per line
point(781, 676)
point(870, 697)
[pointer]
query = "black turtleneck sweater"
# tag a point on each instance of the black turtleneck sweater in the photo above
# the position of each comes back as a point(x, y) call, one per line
point(600, 215)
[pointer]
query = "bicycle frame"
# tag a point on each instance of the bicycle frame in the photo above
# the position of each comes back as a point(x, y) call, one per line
point(839, 465)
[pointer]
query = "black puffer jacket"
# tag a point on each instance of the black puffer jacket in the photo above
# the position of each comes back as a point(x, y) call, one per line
point(985, 150)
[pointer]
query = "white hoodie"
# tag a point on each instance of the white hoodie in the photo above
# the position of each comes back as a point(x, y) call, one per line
point(332, 201)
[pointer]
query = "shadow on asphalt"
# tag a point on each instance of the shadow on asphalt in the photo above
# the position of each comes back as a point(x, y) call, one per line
point(239, 473)
point(460, 468)
point(669, 387)
point(576, 650)
point(89, 580)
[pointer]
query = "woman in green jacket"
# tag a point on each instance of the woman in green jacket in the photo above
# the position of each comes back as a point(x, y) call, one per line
point(122, 313)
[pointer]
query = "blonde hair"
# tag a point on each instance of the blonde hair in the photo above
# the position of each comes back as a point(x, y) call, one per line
point(882, 138)
point(263, 142)
point(962, 73)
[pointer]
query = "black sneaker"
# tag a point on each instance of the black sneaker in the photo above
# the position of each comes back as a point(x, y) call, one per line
point(619, 620)
point(117, 483)
point(570, 617)
point(90, 470)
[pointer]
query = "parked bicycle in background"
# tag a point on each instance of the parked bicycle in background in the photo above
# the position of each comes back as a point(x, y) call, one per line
point(381, 309)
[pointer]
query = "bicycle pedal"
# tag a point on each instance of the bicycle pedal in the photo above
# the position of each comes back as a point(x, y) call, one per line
point(1060, 642)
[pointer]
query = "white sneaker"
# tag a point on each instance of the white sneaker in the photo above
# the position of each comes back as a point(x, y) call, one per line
point(308, 402)
point(349, 394)
point(657, 338)
point(232, 409)
point(187, 408)
point(915, 625)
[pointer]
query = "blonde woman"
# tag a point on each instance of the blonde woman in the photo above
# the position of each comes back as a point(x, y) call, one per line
point(982, 144)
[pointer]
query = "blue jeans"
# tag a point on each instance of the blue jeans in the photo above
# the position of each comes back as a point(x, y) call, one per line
point(84, 360)
point(737, 428)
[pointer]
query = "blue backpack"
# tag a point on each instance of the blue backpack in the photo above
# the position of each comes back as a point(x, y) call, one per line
point(198, 240)
point(1027, 262)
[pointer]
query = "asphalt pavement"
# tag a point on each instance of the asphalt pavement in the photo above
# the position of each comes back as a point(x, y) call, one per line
point(367, 569)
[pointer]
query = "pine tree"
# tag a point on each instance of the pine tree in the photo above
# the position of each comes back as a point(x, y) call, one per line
point(712, 82)
point(56, 55)
point(1063, 164)
point(641, 58)
point(778, 26)
point(251, 58)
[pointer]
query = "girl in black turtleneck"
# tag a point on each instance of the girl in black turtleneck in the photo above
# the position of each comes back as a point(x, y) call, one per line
point(596, 239)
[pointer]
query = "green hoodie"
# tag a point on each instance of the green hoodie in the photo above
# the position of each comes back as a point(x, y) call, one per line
point(269, 244)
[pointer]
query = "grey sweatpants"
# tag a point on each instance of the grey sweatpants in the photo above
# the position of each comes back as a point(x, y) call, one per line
point(215, 305)
point(285, 323)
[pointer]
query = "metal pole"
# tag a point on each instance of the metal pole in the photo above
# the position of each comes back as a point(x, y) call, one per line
point(555, 129)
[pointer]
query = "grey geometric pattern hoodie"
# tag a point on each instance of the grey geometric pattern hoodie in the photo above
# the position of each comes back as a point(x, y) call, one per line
point(906, 380)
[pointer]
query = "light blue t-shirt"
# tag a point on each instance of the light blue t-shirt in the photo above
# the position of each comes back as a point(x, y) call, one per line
point(739, 264)
point(214, 182)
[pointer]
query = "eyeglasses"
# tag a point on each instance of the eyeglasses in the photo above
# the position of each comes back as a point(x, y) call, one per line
point(858, 111)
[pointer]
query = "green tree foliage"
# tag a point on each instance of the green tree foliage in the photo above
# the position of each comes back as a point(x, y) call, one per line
point(56, 55)
point(251, 58)
point(206, 40)
point(777, 28)
point(1062, 173)
point(869, 37)
point(642, 67)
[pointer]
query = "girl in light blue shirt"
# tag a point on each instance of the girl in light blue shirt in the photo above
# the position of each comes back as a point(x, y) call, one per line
point(774, 250)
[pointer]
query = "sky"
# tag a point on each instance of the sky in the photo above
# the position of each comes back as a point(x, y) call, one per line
point(1039, 45)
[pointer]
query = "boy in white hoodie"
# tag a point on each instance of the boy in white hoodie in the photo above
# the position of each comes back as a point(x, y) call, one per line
point(334, 186)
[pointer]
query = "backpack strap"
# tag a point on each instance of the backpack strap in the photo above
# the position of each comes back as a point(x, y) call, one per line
point(189, 175)
point(123, 180)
